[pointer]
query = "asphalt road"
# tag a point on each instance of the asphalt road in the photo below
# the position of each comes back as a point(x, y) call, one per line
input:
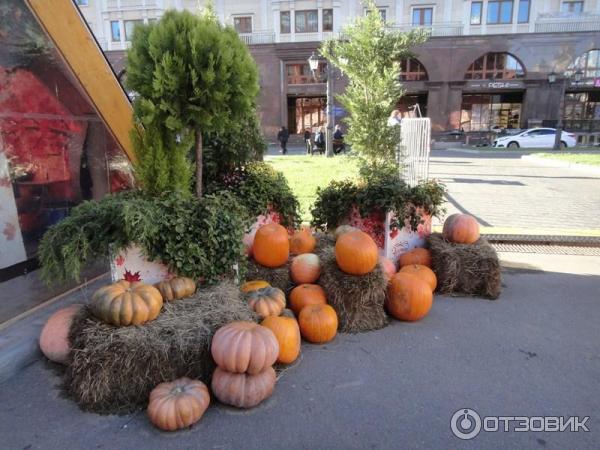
point(533, 352)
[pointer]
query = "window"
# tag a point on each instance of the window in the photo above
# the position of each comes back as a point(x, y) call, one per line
point(382, 13)
point(115, 31)
point(495, 66)
point(284, 22)
point(588, 63)
point(300, 73)
point(243, 24)
point(129, 26)
point(328, 20)
point(82, 2)
point(476, 8)
point(422, 16)
point(524, 6)
point(307, 21)
point(500, 12)
point(412, 70)
point(572, 7)
point(481, 112)
point(582, 106)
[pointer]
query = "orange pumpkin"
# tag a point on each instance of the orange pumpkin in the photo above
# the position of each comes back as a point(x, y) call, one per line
point(318, 323)
point(388, 266)
point(124, 303)
point(269, 301)
point(344, 229)
point(243, 390)
point(178, 287)
point(306, 294)
point(356, 253)
point(178, 404)
point(422, 272)
point(461, 229)
point(253, 285)
point(302, 242)
point(271, 245)
point(305, 268)
point(54, 339)
point(287, 333)
point(420, 256)
point(409, 298)
point(244, 347)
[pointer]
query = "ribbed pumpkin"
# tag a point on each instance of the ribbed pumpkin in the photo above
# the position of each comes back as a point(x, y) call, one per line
point(271, 245)
point(302, 242)
point(388, 266)
point(178, 287)
point(253, 285)
point(244, 347)
point(269, 301)
point(54, 339)
point(287, 333)
point(178, 404)
point(461, 229)
point(318, 323)
point(422, 272)
point(306, 294)
point(124, 303)
point(344, 229)
point(305, 268)
point(243, 390)
point(409, 298)
point(420, 256)
point(356, 253)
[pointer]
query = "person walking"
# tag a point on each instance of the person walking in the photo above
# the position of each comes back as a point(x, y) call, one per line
point(282, 137)
point(307, 142)
point(395, 118)
point(338, 140)
point(320, 140)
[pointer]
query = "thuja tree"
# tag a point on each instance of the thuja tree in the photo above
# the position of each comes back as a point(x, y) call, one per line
point(192, 76)
point(369, 54)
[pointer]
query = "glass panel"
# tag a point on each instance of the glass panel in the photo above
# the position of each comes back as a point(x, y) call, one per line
point(476, 13)
point(312, 21)
point(428, 16)
point(284, 18)
point(493, 12)
point(115, 31)
point(243, 24)
point(129, 26)
point(523, 11)
point(506, 12)
point(328, 20)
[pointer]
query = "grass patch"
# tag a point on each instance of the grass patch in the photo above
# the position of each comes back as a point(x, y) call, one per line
point(305, 173)
point(592, 159)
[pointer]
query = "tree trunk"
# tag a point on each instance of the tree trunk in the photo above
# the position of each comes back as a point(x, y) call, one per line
point(198, 163)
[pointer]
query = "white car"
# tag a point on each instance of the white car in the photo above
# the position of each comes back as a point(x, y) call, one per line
point(535, 138)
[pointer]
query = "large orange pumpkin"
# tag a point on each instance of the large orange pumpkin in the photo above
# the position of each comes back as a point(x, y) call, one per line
point(422, 272)
point(302, 242)
point(306, 294)
point(271, 245)
point(244, 347)
point(305, 268)
point(178, 404)
point(178, 287)
point(318, 323)
point(388, 266)
point(409, 298)
point(124, 303)
point(420, 256)
point(253, 285)
point(287, 332)
point(356, 253)
point(54, 339)
point(243, 390)
point(461, 229)
point(269, 301)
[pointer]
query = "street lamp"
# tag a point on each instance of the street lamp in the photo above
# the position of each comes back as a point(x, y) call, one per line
point(313, 63)
point(578, 76)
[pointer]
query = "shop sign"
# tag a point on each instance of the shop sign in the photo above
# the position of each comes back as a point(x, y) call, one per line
point(590, 82)
point(597, 82)
point(491, 84)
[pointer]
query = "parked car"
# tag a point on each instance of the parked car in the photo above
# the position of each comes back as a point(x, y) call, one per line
point(535, 138)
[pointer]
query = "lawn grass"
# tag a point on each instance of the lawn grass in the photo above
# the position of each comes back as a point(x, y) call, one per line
point(306, 173)
point(592, 159)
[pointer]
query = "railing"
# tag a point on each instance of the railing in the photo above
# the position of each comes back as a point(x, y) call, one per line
point(549, 23)
point(130, 4)
point(258, 37)
point(435, 29)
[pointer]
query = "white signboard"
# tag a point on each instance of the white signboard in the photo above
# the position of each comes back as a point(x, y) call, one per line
point(12, 249)
point(398, 242)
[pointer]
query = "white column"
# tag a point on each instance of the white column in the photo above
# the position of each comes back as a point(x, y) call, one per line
point(337, 16)
point(466, 18)
point(276, 20)
point(399, 18)
point(320, 19)
point(264, 16)
point(447, 12)
point(122, 32)
point(533, 6)
point(292, 23)
point(515, 16)
point(484, 18)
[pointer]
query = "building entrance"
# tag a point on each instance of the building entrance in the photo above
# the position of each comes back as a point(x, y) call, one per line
point(306, 112)
point(483, 112)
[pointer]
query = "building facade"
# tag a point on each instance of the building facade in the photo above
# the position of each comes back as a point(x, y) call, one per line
point(487, 64)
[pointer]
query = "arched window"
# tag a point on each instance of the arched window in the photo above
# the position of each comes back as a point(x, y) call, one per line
point(412, 70)
point(495, 66)
point(588, 63)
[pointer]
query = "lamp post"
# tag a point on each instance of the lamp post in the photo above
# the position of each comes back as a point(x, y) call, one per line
point(313, 63)
point(552, 79)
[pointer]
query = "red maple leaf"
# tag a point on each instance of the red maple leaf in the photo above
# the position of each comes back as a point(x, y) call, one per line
point(120, 260)
point(131, 277)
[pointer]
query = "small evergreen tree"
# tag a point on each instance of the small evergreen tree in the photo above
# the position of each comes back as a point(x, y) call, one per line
point(369, 54)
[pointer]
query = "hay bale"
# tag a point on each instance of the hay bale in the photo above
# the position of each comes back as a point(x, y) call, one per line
point(358, 300)
point(278, 277)
point(114, 369)
point(465, 269)
point(324, 242)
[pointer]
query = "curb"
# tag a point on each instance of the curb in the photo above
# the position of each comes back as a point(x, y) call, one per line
point(549, 162)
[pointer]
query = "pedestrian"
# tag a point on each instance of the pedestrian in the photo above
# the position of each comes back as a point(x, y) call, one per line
point(395, 118)
point(320, 140)
point(338, 140)
point(282, 137)
point(307, 142)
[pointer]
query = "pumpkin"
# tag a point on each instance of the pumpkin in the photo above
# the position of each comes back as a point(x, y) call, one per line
point(124, 303)
point(420, 256)
point(243, 390)
point(318, 323)
point(271, 245)
point(388, 266)
point(175, 288)
point(253, 285)
point(302, 242)
point(244, 347)
point(461, 229)
point(269, 301)
point(305, 268)
point(54, 339)
point(356, 253)
point(306, 294)
point(422, 272)
point(178, 404)
point(409, 298)
point(344, 229)
point(287, 333)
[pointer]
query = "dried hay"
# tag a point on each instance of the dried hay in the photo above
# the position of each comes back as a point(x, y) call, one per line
point(114, 369)
point(465, 269)
point(278, 277)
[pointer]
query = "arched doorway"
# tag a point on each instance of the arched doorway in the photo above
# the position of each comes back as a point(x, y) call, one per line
point(413, 75)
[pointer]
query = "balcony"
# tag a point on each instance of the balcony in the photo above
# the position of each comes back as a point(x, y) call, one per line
point(121, 5)
point(560, 22)
point(258, 37)
point(434, 30)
